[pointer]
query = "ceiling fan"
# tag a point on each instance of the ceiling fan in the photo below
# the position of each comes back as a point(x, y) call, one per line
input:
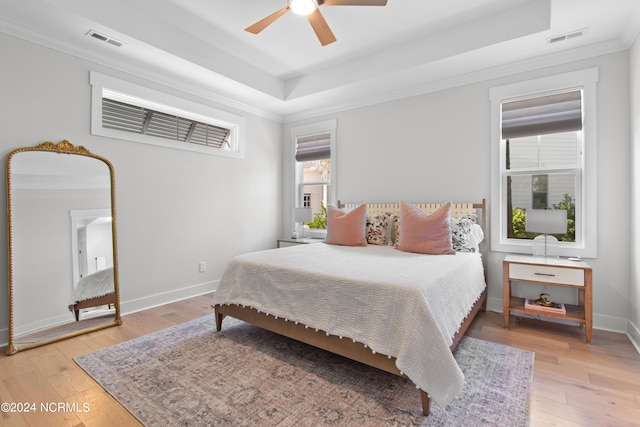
point(310, 9)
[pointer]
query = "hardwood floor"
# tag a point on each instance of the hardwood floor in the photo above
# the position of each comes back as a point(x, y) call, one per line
point(575, 384)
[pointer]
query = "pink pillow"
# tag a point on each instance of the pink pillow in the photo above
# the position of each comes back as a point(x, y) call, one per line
point(346, 229)
point(423, 233)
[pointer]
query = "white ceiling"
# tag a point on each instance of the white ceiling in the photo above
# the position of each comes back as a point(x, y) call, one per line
point(404, 48)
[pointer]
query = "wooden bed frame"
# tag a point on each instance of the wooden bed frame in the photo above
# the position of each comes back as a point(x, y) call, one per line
point(108, 299)
point(347, 347)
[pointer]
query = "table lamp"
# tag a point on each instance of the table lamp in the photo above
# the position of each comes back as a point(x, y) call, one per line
point(546, 221)
point(301, 215)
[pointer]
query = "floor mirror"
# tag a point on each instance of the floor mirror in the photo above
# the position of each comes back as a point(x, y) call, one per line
point(63, 264)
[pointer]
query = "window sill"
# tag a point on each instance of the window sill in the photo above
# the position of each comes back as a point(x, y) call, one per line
point(526, 247)
point(318, 233)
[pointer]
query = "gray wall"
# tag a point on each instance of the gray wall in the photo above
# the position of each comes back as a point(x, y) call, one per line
point(174, 208)
point(178, 208)
point(634, 325)
point(436, 147)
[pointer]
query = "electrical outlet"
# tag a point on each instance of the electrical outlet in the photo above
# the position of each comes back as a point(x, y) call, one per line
point(203, 266)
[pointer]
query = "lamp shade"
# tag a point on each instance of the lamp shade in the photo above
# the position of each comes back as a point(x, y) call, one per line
point(303, 215)
point(548, 221)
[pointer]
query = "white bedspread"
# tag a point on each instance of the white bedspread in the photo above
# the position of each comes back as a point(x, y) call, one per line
point(94, 285)
point(397, 303)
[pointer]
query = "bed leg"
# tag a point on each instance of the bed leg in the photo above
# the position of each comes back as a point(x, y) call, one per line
point(424, 397)
point(219, 317)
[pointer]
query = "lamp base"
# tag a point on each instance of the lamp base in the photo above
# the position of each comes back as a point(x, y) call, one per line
point(301, 231)
point(546, 246)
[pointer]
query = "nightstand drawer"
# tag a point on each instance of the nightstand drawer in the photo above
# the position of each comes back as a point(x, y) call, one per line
point(541, 273)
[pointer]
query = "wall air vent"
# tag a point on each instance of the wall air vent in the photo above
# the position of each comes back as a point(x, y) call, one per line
point(104, 38)
point(567, 36)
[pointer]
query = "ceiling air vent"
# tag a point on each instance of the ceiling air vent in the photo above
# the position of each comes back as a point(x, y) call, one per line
point(567, 36)
point(104, 38)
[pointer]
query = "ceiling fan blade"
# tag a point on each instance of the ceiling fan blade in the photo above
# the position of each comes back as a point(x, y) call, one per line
point(264, 23)
point(352, 2)
point(320, 26)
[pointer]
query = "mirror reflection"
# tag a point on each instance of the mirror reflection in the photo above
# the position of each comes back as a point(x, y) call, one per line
point(63, 264)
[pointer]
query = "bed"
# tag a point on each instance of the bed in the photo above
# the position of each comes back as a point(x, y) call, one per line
point(92, 291)
point(380, 304)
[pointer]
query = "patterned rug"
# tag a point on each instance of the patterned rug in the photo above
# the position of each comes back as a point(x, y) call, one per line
point(190, 375)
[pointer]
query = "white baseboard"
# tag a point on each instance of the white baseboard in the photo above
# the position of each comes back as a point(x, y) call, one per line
point(610, 323)
point(150, 301)
point(600, 322)
point(493, 304)
point(633, 332)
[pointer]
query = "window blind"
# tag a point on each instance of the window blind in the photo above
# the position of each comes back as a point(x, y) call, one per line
point(313, 147)
point(133, 118)
point(542, 115)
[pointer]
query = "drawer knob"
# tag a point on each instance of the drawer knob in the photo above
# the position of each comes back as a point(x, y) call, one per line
point(545, 274)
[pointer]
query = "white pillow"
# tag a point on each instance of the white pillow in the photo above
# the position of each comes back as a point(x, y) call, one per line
point(476, 237)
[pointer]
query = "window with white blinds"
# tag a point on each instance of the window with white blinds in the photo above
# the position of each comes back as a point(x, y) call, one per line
point(313, 147)
point(543, 157)
point(127, 111)
point(314, 159)
point(138, 119)
point(542, 115)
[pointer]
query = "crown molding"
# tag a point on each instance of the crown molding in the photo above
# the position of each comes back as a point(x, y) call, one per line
point(212, 94)
point(537, 63)
point(21, 32)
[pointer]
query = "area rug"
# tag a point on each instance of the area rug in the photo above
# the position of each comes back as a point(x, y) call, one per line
point(191, 375)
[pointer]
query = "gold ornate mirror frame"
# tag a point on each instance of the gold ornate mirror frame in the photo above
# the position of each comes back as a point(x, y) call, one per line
point(62, 148)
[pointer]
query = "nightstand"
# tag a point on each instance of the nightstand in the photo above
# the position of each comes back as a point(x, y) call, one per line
point(552, 272)
point(290, 242)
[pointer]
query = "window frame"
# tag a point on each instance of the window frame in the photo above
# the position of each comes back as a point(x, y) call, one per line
point(330, 127)
point(586, 207)
point(135, 94)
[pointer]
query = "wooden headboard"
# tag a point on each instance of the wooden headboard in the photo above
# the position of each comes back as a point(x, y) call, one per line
point(458, 210)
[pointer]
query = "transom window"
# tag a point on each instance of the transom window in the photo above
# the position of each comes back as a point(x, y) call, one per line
point(127, 111)
point(141, 120)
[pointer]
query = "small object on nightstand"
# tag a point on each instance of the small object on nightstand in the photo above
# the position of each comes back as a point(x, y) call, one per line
point(550, 307)
point(545, 299)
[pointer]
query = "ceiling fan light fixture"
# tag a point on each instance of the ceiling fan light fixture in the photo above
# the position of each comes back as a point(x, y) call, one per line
point(303, 7)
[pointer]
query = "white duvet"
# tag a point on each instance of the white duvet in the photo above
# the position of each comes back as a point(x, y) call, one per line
point(401, 304)
point(94, 285)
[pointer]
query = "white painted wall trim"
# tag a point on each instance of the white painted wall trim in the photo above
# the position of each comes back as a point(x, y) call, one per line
point(151, 301)
point(600, 322)
point(103, 85)
point(633, 332)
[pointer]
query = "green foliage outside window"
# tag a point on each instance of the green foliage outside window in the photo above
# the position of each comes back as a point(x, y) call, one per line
point(567, 203)
point(319, 221)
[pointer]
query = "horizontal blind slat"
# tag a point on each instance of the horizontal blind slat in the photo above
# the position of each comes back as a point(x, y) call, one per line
point(131, 118)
